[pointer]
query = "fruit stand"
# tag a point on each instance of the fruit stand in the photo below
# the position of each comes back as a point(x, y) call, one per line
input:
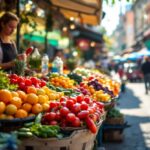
point(58, 111)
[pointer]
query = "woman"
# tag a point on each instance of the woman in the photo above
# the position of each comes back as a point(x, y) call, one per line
point(8, 51)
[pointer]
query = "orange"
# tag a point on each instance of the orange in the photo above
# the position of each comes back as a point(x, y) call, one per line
point(16, 101)
point(5, 96)
point(41, 91)
point(31, 89)
point(21, 113)
point(2, 107)
point(3, 116)
point(52, 96)
point(14, 94)
point(42, 99)
point(32, 98)
point(11, 109)
point(22, 95)
point(27, 107)
point(9, 117)
point(37, 108)
point(45, 107)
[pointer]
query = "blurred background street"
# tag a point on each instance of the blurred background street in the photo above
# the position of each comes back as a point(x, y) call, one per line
point(134, 104)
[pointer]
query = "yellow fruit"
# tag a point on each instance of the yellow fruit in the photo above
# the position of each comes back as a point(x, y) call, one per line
point(52, 96)
point(10, 117)
point(22, 95)
point(2, 107)
point(42, 99)
point(21, 113)
point(5, 96)
point(45, 107)
point(41, 92)
point(27, 107)
point(32, 98)
point(31, 89)
point(11, 109)
point(3, 116)
point(14, 94)
point(37, 108)
point(16, 101)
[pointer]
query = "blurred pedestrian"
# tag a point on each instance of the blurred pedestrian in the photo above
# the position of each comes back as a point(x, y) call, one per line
point(145, 67)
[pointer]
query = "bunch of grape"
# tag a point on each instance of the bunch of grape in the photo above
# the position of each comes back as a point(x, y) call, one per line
point(98, 86)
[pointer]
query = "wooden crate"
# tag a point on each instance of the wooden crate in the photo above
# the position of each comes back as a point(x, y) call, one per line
point(113, 136)
point(78, 140)
point(114, 121)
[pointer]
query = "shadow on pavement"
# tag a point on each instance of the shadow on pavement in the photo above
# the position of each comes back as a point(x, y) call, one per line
point(136, 137)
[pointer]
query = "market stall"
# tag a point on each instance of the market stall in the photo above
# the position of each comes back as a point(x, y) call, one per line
point(56, 110)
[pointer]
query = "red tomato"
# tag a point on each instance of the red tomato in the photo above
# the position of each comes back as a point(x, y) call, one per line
point(53, 122)
point(63, 104)
point(58, 117)
point(87, 100)
point(64, 111)
point(100, 105)
point(70, 117)
point(73, 98)
point(76, 122)
point(94, 117)
point(84, 106)
point(34, 80)
point(69, 103)
point(76, 108)
point(53, 106)
point(83, 114)
point(49, 116)
point(14, 76)
point(79, 98)
point(13, 81)
point(22, 85)
point(42, 83)
point(28, 82)
point(63, 99)
point(20, 79)
point(91, 111)
point(91, 125)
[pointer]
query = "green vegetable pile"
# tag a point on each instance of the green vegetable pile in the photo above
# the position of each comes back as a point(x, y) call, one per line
point(5, 82)
point(114, 113)
point(75, 77)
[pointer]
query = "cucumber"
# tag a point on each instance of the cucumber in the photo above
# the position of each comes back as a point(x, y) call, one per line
point(25, 134)
point(29, 124)
point(24, 130)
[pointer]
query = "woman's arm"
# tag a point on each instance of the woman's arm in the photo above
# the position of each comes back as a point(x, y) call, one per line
point(7, 65)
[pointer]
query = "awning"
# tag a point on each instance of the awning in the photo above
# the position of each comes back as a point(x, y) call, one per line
point(87, 11)
point(81, 32)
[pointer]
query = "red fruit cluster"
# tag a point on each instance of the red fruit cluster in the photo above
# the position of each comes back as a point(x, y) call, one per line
point(24, 82)
point(74, 112)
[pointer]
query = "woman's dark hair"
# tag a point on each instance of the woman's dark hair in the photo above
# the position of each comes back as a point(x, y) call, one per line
point(5, 18)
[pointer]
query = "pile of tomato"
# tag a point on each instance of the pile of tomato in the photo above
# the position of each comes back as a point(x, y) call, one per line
point(76, 111)
point(24, 82)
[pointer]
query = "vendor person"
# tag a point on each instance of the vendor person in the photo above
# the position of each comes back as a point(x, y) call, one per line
point(8, 50)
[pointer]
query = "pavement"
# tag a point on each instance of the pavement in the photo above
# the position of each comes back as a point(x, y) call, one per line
point(135, 105)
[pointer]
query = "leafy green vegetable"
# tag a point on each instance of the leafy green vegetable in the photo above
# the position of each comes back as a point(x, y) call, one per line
point(5, 82)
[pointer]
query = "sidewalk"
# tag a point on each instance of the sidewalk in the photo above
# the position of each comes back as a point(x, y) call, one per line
point(135, 105)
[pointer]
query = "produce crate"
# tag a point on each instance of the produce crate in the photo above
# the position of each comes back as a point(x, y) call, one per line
point(114, 121)
point(113, 136)
point(78, 140)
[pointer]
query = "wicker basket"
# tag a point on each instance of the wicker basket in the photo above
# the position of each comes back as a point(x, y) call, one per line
point(78, 140)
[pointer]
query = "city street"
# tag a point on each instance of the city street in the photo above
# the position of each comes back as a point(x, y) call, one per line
point(135, 105)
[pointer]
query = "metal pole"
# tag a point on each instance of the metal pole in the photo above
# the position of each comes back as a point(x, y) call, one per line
point(18, 28)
